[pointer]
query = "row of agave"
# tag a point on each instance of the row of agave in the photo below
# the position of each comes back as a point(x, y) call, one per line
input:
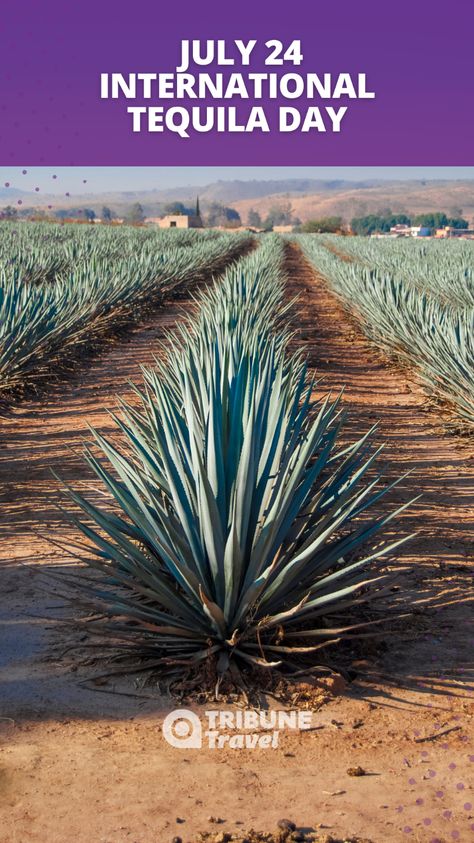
point(40, 252)
point(444, 269)
point(103, 276)
point(410, 323)
point(238, 532)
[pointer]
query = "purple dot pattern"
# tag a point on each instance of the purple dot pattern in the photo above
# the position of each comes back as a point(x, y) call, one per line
point(37, 189)
point(443, 818)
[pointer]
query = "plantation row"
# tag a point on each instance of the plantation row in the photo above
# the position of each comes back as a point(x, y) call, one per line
point(235, 521)
point(442, 269)
point(406, 312)
point(62, 286)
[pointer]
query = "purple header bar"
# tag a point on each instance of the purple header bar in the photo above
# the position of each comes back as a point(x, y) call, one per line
point(418, 58)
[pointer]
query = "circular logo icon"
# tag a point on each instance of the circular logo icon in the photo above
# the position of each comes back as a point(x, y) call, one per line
point(182, 729)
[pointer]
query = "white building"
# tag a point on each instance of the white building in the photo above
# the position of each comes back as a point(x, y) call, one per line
point(177, 221)
point(400, 230)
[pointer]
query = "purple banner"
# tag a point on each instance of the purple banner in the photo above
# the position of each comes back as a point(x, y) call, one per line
point(417, 57)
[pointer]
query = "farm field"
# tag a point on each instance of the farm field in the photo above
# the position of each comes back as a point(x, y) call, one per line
point(89, 760)
point(63, 288)
point(415, 301)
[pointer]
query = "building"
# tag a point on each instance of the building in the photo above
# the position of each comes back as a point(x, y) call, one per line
point(175, 221)
point(283, 229)
point(181, 220)
point(420, 231)
point(400, 230)
point(449, 231)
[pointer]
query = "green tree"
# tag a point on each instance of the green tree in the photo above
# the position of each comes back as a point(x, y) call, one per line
point(176, 209)
point(458, 222)
point(9, 213)
point(89, 214)
point(254, 219)
point(438, 219)
point(136, 214)
point(373, 223)
point(325, 225)
point(106, 214)
point(62, 214)
point(222, 215)
point(433, 219)
point(280, 214)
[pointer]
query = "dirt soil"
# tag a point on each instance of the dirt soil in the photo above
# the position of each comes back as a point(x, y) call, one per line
point(79, 762)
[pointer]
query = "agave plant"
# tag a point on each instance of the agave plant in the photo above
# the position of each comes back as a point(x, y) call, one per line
point(422, 313)
point(238, 523)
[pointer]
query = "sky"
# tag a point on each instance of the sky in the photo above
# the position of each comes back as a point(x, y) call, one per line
point(77, 180)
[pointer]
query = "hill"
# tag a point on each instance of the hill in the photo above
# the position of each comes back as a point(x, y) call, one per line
point(308, 198)
point(349, 201)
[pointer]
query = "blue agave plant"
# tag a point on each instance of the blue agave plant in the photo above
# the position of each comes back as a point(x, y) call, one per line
point(239, 523)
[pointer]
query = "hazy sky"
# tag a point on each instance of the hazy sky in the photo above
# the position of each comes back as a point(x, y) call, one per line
point(76, 180)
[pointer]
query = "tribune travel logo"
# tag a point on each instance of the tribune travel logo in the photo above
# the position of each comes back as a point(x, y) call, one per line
point(242, 729)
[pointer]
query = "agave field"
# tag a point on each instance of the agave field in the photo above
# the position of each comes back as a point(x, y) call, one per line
point(62, 286)
point(235, 526)
point(415, 300)
point(208, 516)
point(239, 521)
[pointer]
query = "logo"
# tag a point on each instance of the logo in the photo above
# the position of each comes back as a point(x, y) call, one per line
point(241, 729)
point(182, 729)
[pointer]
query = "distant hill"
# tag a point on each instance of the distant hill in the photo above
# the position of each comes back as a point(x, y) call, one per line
point(411, 197)
point(8, 195)
point(235, 191)
point(309, 198)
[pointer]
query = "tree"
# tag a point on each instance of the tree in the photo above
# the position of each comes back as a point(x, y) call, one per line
point(62, 214)
point(177, 209)
point(379, 223)
point(222, 215)
point(106, 214)
point(280, 214)
point(135, 214)
point(254, 219)
point(433, 219)
point(373, 223)
point(89, 214)
point(438, 219)
point(458, 222)
point(325, 225)
point(9, 213)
